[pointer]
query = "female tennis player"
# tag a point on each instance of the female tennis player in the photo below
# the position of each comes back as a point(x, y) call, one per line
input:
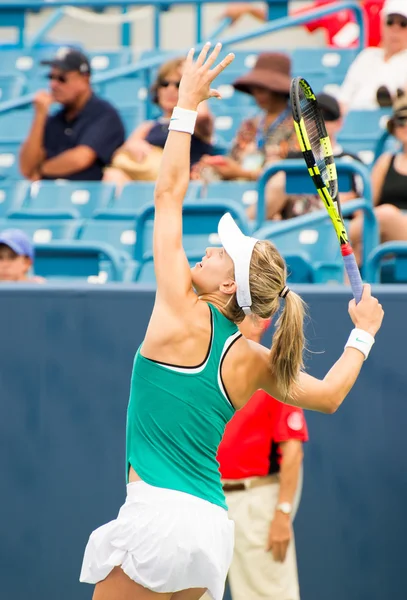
point(172, 538)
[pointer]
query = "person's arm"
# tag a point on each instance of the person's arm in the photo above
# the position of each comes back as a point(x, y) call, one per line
point(32, 151)
point(173, 275)
point(327, 395)
point(379, 172)
point(280, 528)
point(139, 134)
point(68, 162)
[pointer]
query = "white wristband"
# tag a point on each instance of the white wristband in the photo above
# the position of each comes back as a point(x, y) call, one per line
point(183, 120)
point(361, 340)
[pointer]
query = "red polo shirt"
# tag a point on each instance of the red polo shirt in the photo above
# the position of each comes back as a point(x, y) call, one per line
point(335, 23)
point(249, 447)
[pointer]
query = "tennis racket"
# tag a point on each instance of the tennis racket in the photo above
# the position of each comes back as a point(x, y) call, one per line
point(317, 151)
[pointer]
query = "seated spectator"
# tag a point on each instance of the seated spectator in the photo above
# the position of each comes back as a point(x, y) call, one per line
point(282, 206)
point(389, 184)
point(16, 257)
point(378, 68)
point(77, 141)
point(139, 157)
point(270, 135)
point(340, 28)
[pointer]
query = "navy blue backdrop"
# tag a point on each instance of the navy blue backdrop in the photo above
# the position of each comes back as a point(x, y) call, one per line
point(65, 362)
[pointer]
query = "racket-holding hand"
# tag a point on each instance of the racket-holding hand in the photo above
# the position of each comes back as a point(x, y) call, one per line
point(195, 85)
point(368, 314)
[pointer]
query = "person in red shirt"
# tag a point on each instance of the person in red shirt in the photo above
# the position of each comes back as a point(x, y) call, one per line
point(341, 28)
point(260, 460)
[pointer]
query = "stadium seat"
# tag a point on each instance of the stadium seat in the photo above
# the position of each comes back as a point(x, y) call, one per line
point(322, 67)
point(11, 86)
point(312, 246)
point(83, 196)
point(243, 192)
point(135, 195)
point(131, 116)
point(226, 126)
point(199, 226)
point(12, 196)
point(117, 230)
point(45, 227)
point(361, 132)
point(123, 92)
point(14, 126)
point(96, 263)
point(9, 165)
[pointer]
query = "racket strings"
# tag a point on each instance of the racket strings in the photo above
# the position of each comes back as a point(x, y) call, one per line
point(316, 132)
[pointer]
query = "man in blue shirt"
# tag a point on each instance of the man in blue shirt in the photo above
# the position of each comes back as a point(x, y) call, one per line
point(78, 141)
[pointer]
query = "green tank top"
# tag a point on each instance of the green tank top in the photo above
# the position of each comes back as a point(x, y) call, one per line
point(176, 418)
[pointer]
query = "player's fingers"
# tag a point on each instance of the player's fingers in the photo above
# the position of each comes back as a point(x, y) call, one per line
point(214, 94)
point(190, 56)
point(222, 65)
point(203, 54)
point(367, 291)
point(214, 55)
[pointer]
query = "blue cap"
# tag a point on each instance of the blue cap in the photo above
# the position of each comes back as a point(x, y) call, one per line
point(18, 241)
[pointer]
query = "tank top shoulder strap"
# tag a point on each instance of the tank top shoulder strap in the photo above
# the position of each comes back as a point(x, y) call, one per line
point(225, 333)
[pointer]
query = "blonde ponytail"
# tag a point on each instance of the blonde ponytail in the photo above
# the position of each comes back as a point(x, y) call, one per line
point(286, 356)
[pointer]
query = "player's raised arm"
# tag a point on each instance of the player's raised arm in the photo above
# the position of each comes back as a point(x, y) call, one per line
point(171, 265)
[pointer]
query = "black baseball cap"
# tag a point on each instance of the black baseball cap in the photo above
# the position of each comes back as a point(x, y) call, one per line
point(69, 59)
point(331, 111)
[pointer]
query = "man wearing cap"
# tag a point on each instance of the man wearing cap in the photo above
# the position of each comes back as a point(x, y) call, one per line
point(378, 68)
point(78, 141)
point(16, 257)
point(260, 460)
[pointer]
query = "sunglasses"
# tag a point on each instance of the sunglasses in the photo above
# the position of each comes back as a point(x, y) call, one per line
point(165, 83)
point(400, 121)
point(402, 22)
point(60, 78)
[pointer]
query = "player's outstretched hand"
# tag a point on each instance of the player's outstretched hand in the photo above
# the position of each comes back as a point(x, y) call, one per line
point(195, 85)
point(368, 314)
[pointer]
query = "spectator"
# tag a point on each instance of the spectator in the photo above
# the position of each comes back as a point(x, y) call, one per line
point(77, 141)
point(269, 136)
point(16, 257)
point(378, 68)
point(282, 205)
point(389, 184)
point(140, 156)
point(260, 460)
point(340, 28)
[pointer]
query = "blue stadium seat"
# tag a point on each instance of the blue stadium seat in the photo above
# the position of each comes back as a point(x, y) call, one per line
point(243, 192)
point(146, 274)
point(9, 166)
point(131, 116)
point(311, 241)
point(123, 92)
point(62, 260)
point(14, 126)
point(199, 227)
point(137, 194)
point(101, 60)
point(117, 230)
point(83, 196)
point(12, 196)
point(45, 227)
point(361, 132)
point(11, 86)
point(322, 67)
point(226, 126)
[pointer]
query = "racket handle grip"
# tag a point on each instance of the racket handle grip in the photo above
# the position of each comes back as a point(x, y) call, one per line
point(355, 279)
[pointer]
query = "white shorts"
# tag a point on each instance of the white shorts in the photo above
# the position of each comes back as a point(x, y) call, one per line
point(165, 540)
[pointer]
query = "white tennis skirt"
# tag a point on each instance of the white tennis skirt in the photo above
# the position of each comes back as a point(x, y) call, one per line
point(164, 540)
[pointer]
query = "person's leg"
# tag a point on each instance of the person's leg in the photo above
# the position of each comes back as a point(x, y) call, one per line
point(393, 223)
point(253, 573)
point(118, 586)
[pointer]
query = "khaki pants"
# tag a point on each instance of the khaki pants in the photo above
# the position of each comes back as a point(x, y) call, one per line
point(253, 574)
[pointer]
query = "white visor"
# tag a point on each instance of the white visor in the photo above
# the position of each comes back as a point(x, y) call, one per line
point(240, 249)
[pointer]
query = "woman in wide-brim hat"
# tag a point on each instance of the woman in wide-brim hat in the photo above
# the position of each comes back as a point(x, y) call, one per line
point(389, 185)
point(270, 135)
